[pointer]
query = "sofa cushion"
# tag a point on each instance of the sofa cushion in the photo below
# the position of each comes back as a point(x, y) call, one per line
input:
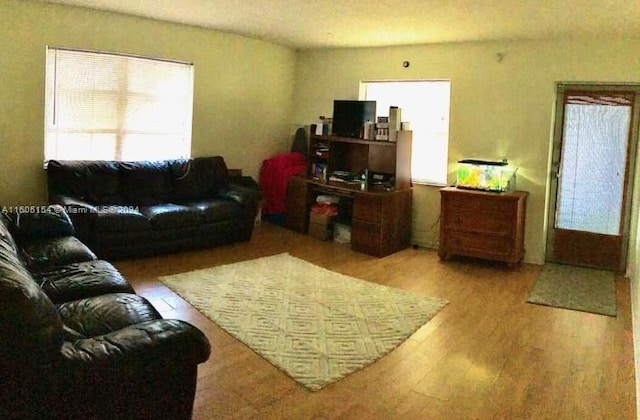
point(168, 216)
point(52, 252)
point(198, 178)
point(119, 219)
point(217, 209)
point(145, 183)
point(103, 314)
point(81, 280)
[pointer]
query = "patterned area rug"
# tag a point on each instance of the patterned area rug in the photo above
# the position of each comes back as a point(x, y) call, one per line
point(581, 289)
point(316, 325)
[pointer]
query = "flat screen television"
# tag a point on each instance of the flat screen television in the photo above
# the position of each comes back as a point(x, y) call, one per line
point(349, 116)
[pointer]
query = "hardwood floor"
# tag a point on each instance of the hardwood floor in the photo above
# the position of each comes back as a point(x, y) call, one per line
point(487, 355)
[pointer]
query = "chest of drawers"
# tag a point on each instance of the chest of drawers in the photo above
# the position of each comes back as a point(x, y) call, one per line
point(482, 224)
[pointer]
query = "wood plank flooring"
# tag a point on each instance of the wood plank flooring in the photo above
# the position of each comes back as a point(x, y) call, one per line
point(487, 355)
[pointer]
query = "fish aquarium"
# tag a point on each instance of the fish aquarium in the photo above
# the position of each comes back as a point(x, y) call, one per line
point(486, 175)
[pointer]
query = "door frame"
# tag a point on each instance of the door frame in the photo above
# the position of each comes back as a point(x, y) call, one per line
point(555, 156)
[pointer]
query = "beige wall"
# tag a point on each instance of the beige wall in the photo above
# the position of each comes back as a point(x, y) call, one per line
point(497, 108)
point(243, 87)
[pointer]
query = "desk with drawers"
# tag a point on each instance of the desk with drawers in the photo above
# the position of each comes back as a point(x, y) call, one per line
point(380, 219)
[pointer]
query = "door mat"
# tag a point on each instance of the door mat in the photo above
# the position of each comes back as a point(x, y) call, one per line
point(576, 288)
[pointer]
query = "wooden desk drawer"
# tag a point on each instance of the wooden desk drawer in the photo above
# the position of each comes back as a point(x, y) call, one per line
point(368, 208)
point(365, 237)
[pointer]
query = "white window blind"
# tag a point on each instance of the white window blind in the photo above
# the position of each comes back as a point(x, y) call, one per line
point(425, 105)
point(105, 106)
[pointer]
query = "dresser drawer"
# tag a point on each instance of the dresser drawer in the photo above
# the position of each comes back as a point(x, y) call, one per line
point(479, 221)
point(479, 245)
point(489, 203)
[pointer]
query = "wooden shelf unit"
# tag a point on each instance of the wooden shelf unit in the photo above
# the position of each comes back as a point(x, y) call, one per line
point(355, 155)
point(482, 224)
point(380, 217)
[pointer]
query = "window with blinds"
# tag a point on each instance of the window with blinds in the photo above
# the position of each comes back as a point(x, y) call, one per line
point(106, 106)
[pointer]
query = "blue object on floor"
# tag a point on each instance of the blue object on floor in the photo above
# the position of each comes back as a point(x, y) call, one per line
point(274, 219)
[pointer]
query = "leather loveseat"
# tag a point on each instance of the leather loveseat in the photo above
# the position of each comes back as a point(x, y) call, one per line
point(133, 209)
point(76, 342)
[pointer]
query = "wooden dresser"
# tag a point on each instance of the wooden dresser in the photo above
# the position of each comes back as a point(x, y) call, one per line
point(482, 224)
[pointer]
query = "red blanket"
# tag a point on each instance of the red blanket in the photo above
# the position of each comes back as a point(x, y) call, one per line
point(274, 176)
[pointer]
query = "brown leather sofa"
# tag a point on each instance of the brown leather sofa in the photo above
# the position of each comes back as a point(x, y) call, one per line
point(133, 209)
point(76, 342)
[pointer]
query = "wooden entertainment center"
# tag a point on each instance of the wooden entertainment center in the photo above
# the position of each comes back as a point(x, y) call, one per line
point(379, 208)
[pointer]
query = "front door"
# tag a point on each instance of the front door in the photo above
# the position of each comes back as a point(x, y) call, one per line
point(594, 145)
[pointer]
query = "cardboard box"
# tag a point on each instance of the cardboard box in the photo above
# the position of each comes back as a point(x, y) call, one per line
point(324, 232)
point(319, 219)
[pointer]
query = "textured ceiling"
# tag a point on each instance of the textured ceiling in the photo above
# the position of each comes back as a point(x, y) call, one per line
point(304, 24)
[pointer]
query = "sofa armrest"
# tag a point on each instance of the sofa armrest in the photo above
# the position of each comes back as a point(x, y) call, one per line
point(39, 222)
point(148, 370)
point(80, 212)
point(246, 196)
point(148, 343)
